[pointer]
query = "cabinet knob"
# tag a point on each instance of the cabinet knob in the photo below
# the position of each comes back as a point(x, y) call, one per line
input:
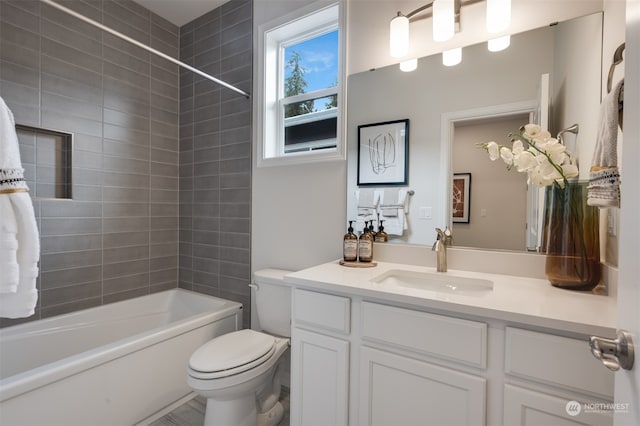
point(614, 353)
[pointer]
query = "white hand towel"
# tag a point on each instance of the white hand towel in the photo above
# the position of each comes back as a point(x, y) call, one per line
point(393, 210)
point(604, 176)
point(13, 190)
point(9, 148)
point(9, 275)
point(11, 171)
point(367, 200)
point(22, 303)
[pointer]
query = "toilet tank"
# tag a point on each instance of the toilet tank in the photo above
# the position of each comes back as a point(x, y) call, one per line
point(272, 298)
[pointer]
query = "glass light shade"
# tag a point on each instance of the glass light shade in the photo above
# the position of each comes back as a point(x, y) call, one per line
point(399, 36)
point(443, 20)
point(409, 65)
point(498, 44)
point(452, 57)
point(498, 15)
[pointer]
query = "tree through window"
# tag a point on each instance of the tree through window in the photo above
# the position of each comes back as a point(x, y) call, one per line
point(310, 101)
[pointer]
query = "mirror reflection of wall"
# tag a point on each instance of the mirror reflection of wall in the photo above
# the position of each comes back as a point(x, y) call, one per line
point(497, 213)
point(570, 52)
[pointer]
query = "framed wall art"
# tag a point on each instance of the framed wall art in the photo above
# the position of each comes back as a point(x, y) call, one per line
point(383, 153)
point(461, 197)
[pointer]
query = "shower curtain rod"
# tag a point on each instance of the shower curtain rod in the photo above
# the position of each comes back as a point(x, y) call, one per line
point(144, 46)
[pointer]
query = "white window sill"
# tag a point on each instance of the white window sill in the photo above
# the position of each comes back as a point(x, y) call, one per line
point(297, 158)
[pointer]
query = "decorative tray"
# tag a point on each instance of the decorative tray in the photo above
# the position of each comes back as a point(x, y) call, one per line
point(358, 264)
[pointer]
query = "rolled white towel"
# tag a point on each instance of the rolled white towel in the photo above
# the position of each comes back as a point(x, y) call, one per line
point(10, 275)
point(22, 303)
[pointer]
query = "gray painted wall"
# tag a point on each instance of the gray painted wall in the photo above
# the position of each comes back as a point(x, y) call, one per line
point(293, 203)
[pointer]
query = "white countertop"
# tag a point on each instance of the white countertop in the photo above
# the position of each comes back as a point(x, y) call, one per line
point(513, 299)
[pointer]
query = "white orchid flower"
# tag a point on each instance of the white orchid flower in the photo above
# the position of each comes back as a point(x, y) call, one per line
point(493, 150)
point(507, 156)
point(546, 160)
point(525, 161)
point(537, 133)
point(555, 150)
point(517, 148)
point(570, 170)
point(535, 177)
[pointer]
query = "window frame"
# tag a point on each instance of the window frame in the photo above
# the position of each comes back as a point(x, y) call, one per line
point(270, 121)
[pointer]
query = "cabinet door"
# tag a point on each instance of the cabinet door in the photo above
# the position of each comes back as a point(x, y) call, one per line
point(395, 390)
point(319, 379)
point(524, 407)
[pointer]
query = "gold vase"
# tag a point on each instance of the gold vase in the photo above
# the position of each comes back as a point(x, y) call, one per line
point(571, 238)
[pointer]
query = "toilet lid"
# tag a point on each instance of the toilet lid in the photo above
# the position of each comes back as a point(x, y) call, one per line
point(231, 350)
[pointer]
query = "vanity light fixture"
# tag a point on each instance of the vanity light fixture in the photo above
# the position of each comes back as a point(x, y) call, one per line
point(446, 21)
point(498, 21)
point(399, 36)
point(409, 65)
point(452, 57)
point(444, 24)
point(498, 44)
point(446, 16)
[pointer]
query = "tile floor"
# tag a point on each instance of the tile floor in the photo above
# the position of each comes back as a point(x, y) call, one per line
point(191, 413)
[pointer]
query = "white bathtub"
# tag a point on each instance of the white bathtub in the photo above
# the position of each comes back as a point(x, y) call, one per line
point(111, 365)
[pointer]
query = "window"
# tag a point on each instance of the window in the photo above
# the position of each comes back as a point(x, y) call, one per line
point(301, 89)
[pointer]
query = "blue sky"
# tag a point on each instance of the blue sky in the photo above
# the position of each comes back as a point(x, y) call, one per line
point(319, 59)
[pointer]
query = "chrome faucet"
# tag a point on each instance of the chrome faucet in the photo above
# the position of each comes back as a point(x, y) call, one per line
point(440, 247)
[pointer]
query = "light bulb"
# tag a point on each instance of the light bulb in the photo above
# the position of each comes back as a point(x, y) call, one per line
point(498, 44)
point(409, 65)
point(443, 20)
point(498, 15)
point(452, 57)
point(399, 36)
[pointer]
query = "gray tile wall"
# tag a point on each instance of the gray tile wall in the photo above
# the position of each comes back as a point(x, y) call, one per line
point(215, 155)
point(118, 237)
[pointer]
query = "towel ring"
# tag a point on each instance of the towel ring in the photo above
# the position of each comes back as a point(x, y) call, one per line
point(617, 59)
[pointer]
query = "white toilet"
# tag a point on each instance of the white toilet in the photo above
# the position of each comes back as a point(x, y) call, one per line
point(238, 372)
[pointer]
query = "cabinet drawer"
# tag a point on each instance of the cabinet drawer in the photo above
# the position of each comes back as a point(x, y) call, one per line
point(556, 360)
point(322, 310)
point(446, 337)
point(529, 408)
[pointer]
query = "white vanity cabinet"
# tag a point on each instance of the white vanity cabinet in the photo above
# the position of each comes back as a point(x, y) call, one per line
point(398, 382)
point(369, 362)
point(319, 359)
point(550, 378)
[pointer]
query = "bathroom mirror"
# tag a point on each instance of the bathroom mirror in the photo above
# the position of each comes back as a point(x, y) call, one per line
point(443, 103)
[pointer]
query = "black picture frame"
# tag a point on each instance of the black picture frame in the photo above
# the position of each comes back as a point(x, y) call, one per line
point(383, 153)
point(461, 197)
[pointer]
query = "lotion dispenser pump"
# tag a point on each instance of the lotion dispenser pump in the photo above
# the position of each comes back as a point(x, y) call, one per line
point(350, 245)
point(381, 235)
point(365, 245)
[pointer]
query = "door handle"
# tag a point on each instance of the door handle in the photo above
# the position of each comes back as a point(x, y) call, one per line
point(614, 353)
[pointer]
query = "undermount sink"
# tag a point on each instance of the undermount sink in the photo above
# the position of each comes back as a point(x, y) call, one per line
point(433, 281)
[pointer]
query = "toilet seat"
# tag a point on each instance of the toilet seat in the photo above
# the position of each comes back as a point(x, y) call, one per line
point(230, 354)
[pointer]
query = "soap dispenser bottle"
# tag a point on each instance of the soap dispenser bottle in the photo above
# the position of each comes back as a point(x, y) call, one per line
point(372, 230)
point(381, 236)
point(365, 245)
point(350, 245)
